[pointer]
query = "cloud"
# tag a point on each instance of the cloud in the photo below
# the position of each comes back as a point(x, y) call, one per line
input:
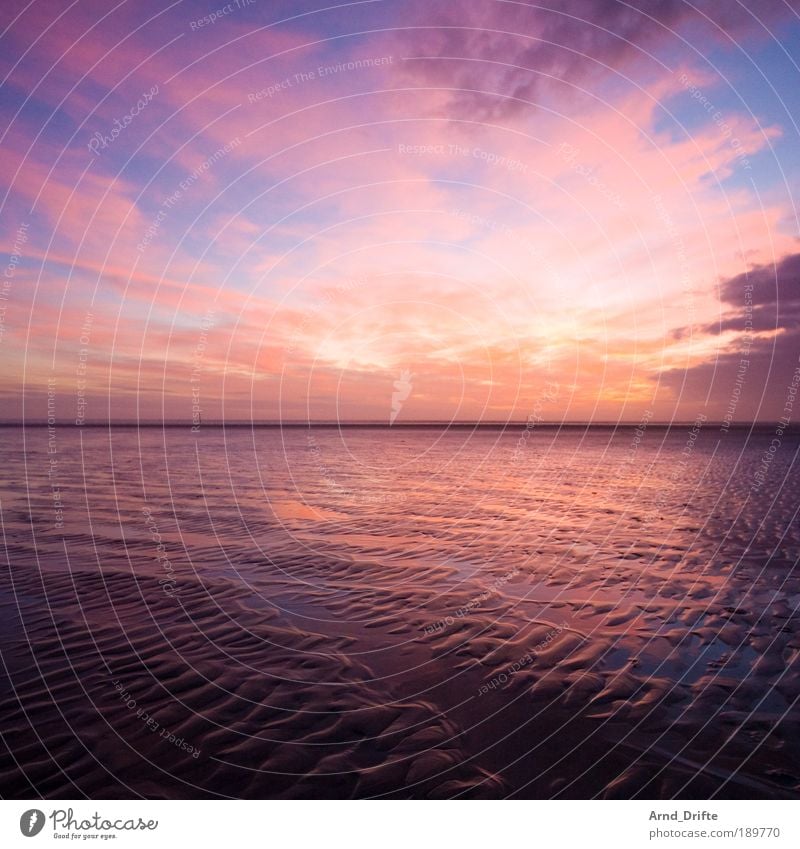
point(351, 236)
point(499, 57)
point(773, 285)
point(759, 346)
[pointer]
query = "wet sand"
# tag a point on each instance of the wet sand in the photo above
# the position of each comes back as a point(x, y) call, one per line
point(404, 615)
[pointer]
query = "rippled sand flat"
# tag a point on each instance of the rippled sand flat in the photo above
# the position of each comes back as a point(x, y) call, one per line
point(404, 613)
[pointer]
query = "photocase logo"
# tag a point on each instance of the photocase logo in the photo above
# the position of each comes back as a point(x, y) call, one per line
point(402, 389)
point(31, 822)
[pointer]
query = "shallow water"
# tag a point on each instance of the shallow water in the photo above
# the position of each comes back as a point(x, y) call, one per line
point(405, 612)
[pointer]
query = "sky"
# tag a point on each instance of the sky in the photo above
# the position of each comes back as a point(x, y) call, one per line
point(394, 210)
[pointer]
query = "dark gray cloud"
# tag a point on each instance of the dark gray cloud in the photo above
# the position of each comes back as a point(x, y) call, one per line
point(753, 371)
point(767, 297)
point(773, 284)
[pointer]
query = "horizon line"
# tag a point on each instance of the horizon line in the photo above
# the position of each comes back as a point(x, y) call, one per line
point(432, 423)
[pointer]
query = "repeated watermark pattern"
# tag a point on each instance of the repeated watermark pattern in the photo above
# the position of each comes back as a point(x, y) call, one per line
point(679, 469)
point(20, 238)
point(319, 73)
point(679, 249)
point(198, 356)
point(442, 362)
point(81, 369)
point(767, 458)
point(168, 582)
point(184, 186)
point(544, 266)
point(473, 604)
point(100, 141)
point(464, 151)
point(548, 395)
point(512, 669)
point(744, 361)
point(571, 155)
point(717, 117)
point(212, 17)
point(338, 490)
point(311, 313)
point(152, 723)
point(53, 474)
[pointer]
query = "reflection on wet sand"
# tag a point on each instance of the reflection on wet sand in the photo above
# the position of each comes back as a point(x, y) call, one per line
point(568, 623)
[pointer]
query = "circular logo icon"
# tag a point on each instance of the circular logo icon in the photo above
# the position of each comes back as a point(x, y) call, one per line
point(31, 822)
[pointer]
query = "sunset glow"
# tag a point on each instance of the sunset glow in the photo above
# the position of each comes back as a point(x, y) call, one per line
point(400, 401)
point(272, 211)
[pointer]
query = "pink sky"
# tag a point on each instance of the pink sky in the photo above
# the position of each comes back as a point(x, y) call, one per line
point(523, 209)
